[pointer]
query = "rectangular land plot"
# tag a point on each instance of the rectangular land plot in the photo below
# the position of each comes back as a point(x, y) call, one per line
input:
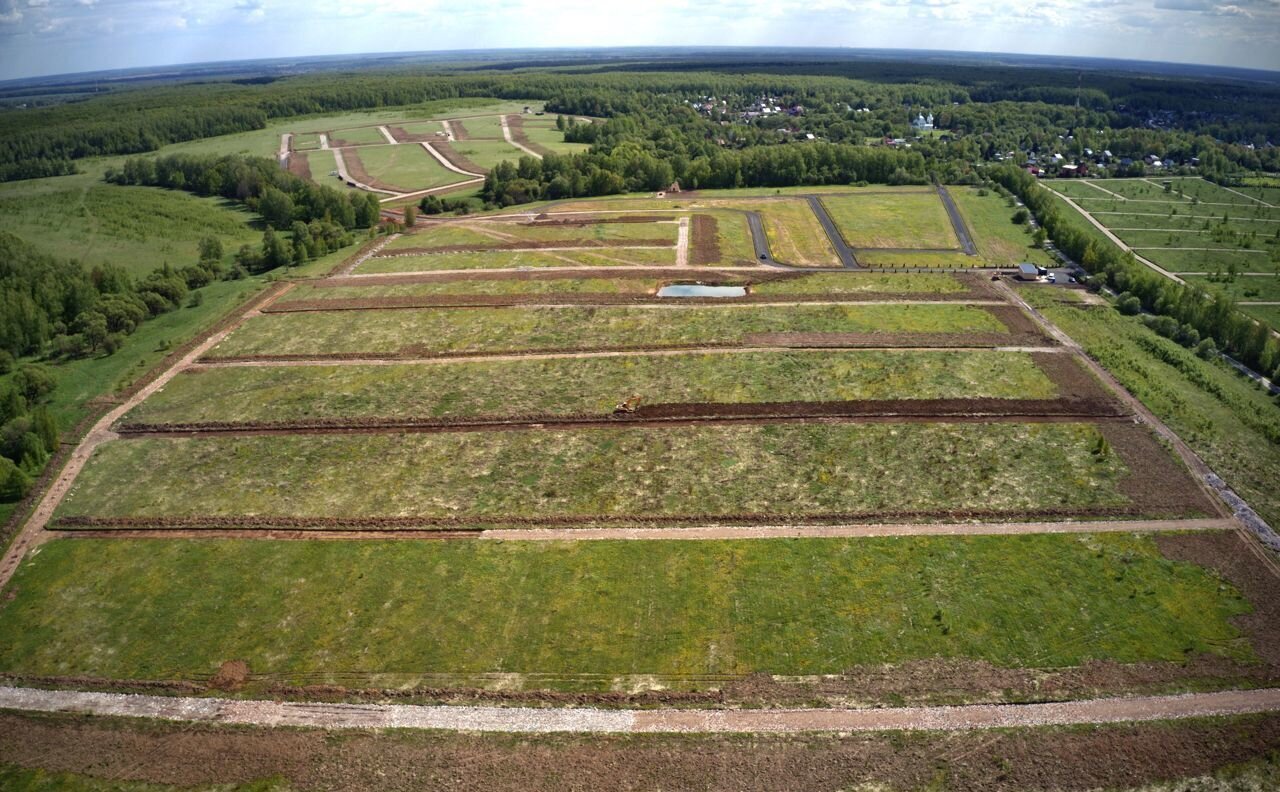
point(417, 332)
point(891, 259)
point(356, 136)
point(1209, 260)
point(487, 153)
point(590, 386)
point(1189, 218)
point(999, 240)
point(892, 220)
point(1267, 314)
point(546, 135)
point(786, 472)
point(483, 127)
point(1252, 289)
point(646, 229)
point(583, 615)
point(404, 167)
point(610, 256)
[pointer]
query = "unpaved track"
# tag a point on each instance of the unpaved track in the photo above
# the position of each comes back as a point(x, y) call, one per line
point(32, 533)
point(506, 133)
point(526, 720)
point(682, 243)
point(386, 133)
point(695, 533)
point(443, 160)
point(349, 179)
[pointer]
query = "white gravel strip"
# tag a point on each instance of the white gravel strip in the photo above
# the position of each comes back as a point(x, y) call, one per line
point(589, 720)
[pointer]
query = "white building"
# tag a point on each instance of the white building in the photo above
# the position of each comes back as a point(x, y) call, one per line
point(923, 123)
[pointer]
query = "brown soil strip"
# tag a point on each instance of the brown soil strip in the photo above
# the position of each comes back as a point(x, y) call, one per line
point(356, 168)
point(542, 222)
point(706, 241)
point(1157, 482)
point(447, 151)
point(901, 410)
point(478, 522)
point(516, 124)
point(864, 340)
point(299, 166)
point(459, 130)
point(205, 754)
point(405, 136)
point(530, 244)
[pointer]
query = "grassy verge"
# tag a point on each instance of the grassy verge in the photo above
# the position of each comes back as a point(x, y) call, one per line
point(170, 608)
point(1228, 420)
point(852, 283)
point(787, 469)
point(1000, 242)
point(491, 329)
point(589, 385)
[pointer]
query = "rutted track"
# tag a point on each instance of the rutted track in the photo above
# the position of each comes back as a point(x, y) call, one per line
point(654, 721)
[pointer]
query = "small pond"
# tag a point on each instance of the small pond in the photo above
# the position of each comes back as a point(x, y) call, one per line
point(699, 290)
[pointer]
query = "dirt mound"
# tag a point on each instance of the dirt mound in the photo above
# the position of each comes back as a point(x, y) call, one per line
point(231, 675)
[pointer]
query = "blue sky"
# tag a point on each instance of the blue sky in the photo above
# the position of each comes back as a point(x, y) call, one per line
point(56, 36)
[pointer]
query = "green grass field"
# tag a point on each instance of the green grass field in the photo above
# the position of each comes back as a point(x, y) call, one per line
point(787, 470)
point(487, 126)
point(393, 612)
point(1210, 261)
point(495, 232)
point(1000, 242)
point(488, 153)
point(590, 385)
point(546, 135)
point(902, 220)
point(502, 329)
point(1269, 314)
point(1266, 289)
point(137, 228)
point(356, 136)
point(854, 282)
point(889, 259)
point(407, 167)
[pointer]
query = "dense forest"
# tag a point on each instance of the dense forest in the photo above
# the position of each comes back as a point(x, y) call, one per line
point(994, 110)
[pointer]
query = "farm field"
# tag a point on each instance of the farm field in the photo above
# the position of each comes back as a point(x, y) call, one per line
point(589, 385)
point(577, 616)
point(896, 220)
point(545, 134)
point(505, 329)
point(487, 153)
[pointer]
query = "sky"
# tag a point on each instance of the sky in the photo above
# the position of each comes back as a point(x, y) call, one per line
point(62, 36)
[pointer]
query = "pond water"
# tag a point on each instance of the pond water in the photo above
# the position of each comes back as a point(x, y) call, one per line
point(699, 290)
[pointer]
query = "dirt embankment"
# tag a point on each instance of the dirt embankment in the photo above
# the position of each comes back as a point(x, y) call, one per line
point(515, 123)
point(1071, 760)
point(299, 165)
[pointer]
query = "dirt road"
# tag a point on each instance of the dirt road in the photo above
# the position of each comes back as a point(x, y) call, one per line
point(506, 133)
point(528, 720)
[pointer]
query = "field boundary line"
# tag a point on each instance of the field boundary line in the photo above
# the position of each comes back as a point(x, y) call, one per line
point(698, 533)
point(1103, 189)
point(655, 721)
point(1115, 239)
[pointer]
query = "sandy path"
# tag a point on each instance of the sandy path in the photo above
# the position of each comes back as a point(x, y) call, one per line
point(446, 163)
point(283, 154)
point(433, 190)
point(682, 243)
point(349, 179)
point(693, 350)
point(593, 720)
point(386, 133)
point(32, 533)
point(697, 533)
point(506, 133)
point(1205, 250)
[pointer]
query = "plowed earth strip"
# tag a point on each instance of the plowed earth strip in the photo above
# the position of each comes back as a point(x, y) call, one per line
point(557, 300)
point(594, 720)
point(654, 415)
point(696, 533)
